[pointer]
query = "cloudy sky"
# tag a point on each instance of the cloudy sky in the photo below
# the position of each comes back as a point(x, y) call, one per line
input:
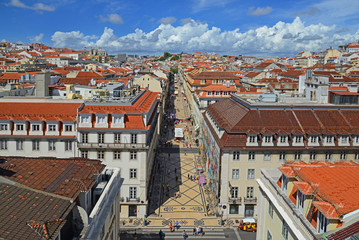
point(258, 27)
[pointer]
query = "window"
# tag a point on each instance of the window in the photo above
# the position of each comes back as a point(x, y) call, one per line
point(117, 120)
point(101, 119)
point(235, 173)
point(101, 138)
point(36, 127)
point(235, 155)
point(101, 154)
point(234, 192)
point(233, 208)
point(356, 156)
point(84, 154)
point(343, 155)
point(117, 155)
point(3, 144)
point(322, 223)
point(251, 173)
point(68, 146)
point(270, 209)
point(85, 119)
point(328, 156)
point(313, 139)
point(218, 93)
point(19, 127)
point(252, 139)
point(250, 192)
point(344, 139)
point(281, 155)
point(300, 200)
point(133, 173)
point(251, 156)
point(133, 192)
point(285, 230)
point(267, 157)
point(52, 145)
point(52, 128)
point(84, 137)
point(209, 93)
point(297, 156)
point(133, 138)
point(298, 139)
point(19, 144)
point(269, 235)
point(313, 156)
point(329, 139)
point(203, 81)
point(3, 127)
point(225, 93)
point(117, 138)
point(68, 128)
point(249, 210)
point(267, 139)
point(284, 183)
point(133, 155)
point(283, 139)
point(35, 145)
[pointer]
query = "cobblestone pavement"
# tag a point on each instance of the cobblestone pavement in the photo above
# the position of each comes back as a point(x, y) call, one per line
point(174, 195)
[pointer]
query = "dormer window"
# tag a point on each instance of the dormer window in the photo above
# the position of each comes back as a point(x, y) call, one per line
point(329, 139)
point(252, 139)
point(225, 93)
point(203, 81)
point(101, 119)
point(209, 93)
point(298, 139)
point(283, 139)
point(117, 120)
point(268, 139)
point(3, 127)
point(284, 183)
point(52, 127)
point(19, 127)
point(85, 119)
point(344, 139)
point(313, 139)
point(218, 93)
point(300, 200)
point(36, 127)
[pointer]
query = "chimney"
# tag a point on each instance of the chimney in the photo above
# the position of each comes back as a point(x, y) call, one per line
point(42, 82)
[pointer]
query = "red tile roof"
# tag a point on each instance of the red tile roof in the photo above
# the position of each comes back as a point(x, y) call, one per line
point(39, 111)
point(64, 177)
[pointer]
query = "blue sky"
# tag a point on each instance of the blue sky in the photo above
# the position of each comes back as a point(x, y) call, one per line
point(259, 27)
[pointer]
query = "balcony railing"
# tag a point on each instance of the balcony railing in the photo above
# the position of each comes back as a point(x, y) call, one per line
point(132, 199)
point(252, 200)
point(112, 145)
point(237, 200)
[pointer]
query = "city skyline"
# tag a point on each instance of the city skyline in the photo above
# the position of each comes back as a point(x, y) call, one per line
point(257, 28)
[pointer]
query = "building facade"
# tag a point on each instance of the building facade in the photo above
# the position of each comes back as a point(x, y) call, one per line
point(241, 137)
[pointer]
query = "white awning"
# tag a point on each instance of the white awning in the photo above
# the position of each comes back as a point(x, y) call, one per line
point(178, 133)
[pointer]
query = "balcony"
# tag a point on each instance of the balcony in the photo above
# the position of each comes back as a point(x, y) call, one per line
point(133, 200)
point(252, 200)
point(137, 146)
point(235, 200)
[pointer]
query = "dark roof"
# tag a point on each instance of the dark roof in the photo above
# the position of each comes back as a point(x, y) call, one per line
point(345, 233)
point(215, 75)
point(237, 119)
point(64, 177)
point(28, 214)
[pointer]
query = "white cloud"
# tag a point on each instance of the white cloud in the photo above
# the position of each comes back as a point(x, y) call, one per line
point(259, 11)
point(168, 20)
point(277, 40)
point(36, 39)
point(36, 6)
point(112, 18)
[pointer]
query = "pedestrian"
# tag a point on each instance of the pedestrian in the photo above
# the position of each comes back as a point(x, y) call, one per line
point(188, 176)
point(175, 170)
point(201, 231)
point(177, 225)
point(191, 177)
point(176, 179)
point(194, 231)
point(185, 236)
point(160, 234)
point(197, 230)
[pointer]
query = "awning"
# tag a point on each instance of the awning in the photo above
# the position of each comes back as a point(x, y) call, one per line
point(178, 133)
